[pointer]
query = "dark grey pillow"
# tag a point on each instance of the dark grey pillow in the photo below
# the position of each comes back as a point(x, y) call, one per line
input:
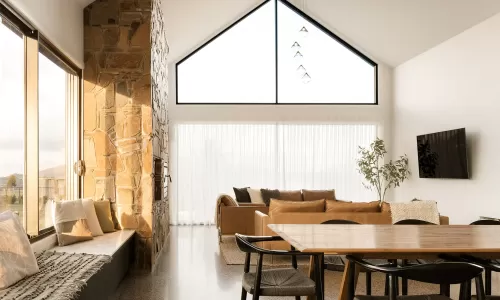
point(242, 195)
point(267, 195)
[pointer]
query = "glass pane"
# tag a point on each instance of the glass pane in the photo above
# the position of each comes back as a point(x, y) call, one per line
point(11, 120)
point(315, 68)
point(236, 67)
point(52, 137)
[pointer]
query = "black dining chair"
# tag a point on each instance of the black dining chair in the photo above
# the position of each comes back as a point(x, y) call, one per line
point(445, 289)
point(490, 265)
point(337, 262)
point(277, 281)
point(443, 273)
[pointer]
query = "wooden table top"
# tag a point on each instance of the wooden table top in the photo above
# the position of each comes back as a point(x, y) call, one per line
point(352, 239)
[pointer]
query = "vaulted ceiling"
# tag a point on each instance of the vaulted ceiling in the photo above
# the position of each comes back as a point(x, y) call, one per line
point(390, 31)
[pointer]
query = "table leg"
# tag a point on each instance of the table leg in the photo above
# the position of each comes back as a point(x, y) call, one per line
point(349, 281)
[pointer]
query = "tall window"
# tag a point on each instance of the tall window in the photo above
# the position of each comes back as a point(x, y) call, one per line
point(211, 159)
point(276, 54)
point(11, 118)
point(39, 96)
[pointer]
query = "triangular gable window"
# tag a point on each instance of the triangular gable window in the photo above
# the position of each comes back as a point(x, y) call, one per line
point(276, 55)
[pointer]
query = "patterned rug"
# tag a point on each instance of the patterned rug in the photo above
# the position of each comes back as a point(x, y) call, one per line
point(233, 256)
point(62, 276)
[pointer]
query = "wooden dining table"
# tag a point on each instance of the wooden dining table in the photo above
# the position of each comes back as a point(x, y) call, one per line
point(390, 242)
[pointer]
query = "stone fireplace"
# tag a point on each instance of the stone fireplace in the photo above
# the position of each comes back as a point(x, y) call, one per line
point(125, 116)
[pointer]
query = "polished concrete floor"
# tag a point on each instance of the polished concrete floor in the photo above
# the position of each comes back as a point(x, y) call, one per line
point(191, 268)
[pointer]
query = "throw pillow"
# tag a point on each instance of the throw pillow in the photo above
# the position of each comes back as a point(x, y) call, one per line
point(242, 195)
point(94, 226)
point(70, 222)
point(291, 195)
point(255, 196)
point(282, 206)
point(310, 195)
point(228, 200)
point(103, 212)
point(267, 195)
point(352, 207)
point(419, 210)
point(17, 259)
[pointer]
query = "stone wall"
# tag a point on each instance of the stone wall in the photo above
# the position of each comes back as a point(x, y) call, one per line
point(159, 75)
point(118, 126)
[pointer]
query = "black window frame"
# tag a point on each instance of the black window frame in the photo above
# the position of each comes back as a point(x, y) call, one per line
point(307, 18)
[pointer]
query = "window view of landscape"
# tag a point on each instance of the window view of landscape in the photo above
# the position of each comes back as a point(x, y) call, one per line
point(51, 132)
point(11, 120)
point(52, 137)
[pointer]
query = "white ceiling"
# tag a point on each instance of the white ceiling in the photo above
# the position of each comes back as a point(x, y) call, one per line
point(395, 31)
point(390, 31)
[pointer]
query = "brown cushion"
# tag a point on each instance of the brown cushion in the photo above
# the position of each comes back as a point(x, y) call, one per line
point(227, 200)
point(386, 207)
point(291, 196)
point(309, 195)
point(103, 212)
point(268, 194)
point(281, 206)
point(70, 222)
point(341, 207)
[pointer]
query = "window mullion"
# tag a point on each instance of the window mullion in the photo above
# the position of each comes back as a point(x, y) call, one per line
point(31, 193)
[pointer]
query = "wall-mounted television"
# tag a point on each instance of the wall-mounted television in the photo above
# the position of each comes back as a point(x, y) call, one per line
point(443, 154)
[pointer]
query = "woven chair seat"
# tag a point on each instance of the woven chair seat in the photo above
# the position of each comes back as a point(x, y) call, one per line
point(412, 297)
point(281, 282)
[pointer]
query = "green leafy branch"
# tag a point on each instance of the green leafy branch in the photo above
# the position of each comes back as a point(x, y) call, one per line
point(379, 176)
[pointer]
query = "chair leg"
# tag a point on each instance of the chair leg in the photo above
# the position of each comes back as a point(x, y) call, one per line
point(487, 282)
point(404, 282)
point(386, 291)
point(297, 297)
point(243, 294)
point(393, 283)
point(444, 289)
point(468, 291)
point(480, 288)
point(368, 283)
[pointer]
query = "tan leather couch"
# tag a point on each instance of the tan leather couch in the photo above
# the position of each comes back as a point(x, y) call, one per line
point(262, 220)
point(239, 219)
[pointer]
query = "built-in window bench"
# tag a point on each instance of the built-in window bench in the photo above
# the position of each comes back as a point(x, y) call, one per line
point(119, 245)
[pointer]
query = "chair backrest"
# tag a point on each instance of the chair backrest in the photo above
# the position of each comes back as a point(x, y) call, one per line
point(245, 244)
point(441, 273)
point(339, 222)
point(413, 222)
point(485, 222)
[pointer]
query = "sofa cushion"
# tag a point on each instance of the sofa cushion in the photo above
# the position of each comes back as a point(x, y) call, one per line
point(227, 200)
point(103, 212)
point(282, 206)
point(385, 207)
point(309, 195)
point(291, 195)
point(92, 220)
point(70, 222)
point(16, 256)
point(267, 194)
point(341, 206)
point(242, 195)
point(255, 196)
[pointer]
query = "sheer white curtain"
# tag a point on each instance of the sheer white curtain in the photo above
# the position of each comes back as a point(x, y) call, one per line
point(210, 159)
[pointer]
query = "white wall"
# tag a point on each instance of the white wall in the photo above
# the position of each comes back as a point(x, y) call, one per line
point(456, 84)
point(190, 23)
point(60, 21)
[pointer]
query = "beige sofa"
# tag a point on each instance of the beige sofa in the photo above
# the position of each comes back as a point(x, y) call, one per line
point(262, 220)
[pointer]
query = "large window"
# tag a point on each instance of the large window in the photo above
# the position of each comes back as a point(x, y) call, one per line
point(12, 110)
point(211, 159)
point(39, 96)
point(276, 54)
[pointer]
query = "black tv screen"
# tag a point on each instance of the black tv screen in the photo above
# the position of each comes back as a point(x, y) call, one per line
point(443, 155)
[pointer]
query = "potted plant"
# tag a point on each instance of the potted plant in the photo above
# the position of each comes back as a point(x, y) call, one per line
point(379, 175)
